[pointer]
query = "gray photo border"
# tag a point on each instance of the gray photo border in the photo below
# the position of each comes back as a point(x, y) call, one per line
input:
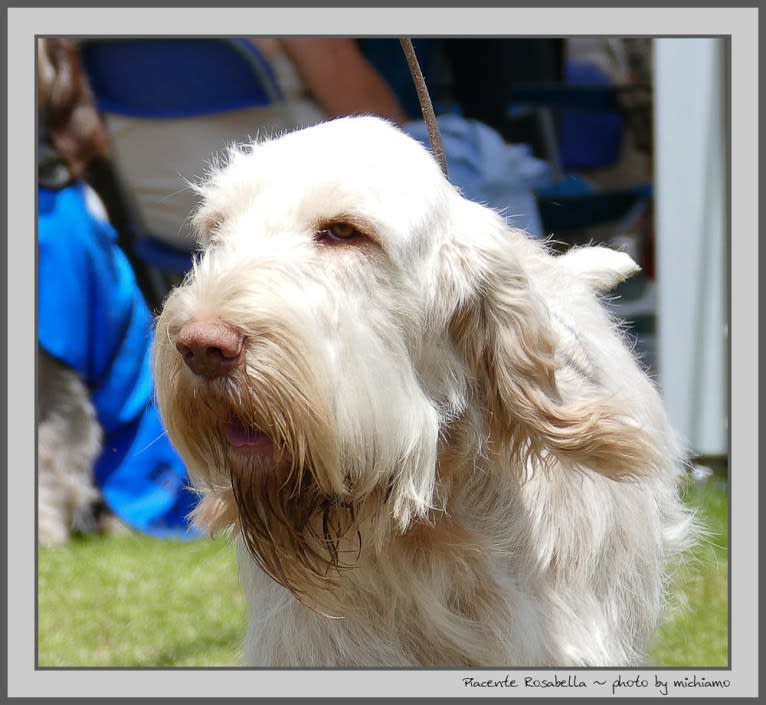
point(22, 24)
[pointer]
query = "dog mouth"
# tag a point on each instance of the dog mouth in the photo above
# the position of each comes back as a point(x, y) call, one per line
point(245, 440)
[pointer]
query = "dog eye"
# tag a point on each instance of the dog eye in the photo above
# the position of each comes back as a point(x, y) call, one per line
point(338, 232)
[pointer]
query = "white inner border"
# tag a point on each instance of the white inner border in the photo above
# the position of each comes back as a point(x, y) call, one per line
point(24, 24)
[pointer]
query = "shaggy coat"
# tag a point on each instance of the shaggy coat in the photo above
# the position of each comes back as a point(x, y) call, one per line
point(432, 443)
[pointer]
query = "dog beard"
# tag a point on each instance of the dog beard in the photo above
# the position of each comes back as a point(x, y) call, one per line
point(297, 534)
point(257, 431)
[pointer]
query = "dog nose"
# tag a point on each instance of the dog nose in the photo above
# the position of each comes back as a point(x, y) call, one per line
point(210, 348)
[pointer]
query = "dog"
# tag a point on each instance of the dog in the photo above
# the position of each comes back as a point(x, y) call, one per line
point(430, 442)
point(69, 441)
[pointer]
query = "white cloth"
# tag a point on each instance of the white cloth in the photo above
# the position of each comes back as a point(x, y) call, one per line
point(156, 158)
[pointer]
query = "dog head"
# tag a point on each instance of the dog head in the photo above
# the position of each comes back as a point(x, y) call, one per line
point(350, 317)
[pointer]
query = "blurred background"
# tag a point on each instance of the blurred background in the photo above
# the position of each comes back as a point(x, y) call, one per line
point(615, 140)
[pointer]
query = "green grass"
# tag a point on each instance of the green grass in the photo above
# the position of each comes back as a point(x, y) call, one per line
point(697, 633)
point(138, 601)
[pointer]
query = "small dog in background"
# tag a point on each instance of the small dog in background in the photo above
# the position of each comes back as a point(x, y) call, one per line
point(68, 445)
point(431, 441)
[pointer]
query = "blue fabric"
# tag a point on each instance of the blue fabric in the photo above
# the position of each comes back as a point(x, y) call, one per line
point(93, 318)
point(589, 139)
point(490, 171)
point(174, 77)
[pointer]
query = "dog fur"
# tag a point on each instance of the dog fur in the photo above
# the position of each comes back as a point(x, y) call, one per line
point(68, 444)
point(432, 443)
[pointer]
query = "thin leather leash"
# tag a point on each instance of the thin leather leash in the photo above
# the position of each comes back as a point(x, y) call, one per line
point(426, 107)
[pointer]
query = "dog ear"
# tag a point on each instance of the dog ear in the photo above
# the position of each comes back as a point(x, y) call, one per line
point(599, 267)
point(503, 326)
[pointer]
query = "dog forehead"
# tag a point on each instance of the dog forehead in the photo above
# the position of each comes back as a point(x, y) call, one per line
point(353, 140)
point(362, 153)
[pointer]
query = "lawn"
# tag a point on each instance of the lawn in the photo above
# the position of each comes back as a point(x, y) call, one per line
point(139, 601)
point(144, 602)
point(697, 633)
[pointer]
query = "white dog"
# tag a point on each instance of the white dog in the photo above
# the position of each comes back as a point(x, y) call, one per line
point(433, 444)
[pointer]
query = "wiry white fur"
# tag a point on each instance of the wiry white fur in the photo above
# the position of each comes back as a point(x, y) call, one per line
point(513, 471)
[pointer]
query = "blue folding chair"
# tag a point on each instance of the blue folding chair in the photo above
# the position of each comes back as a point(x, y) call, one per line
point(587, 106)
point(169, 78)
